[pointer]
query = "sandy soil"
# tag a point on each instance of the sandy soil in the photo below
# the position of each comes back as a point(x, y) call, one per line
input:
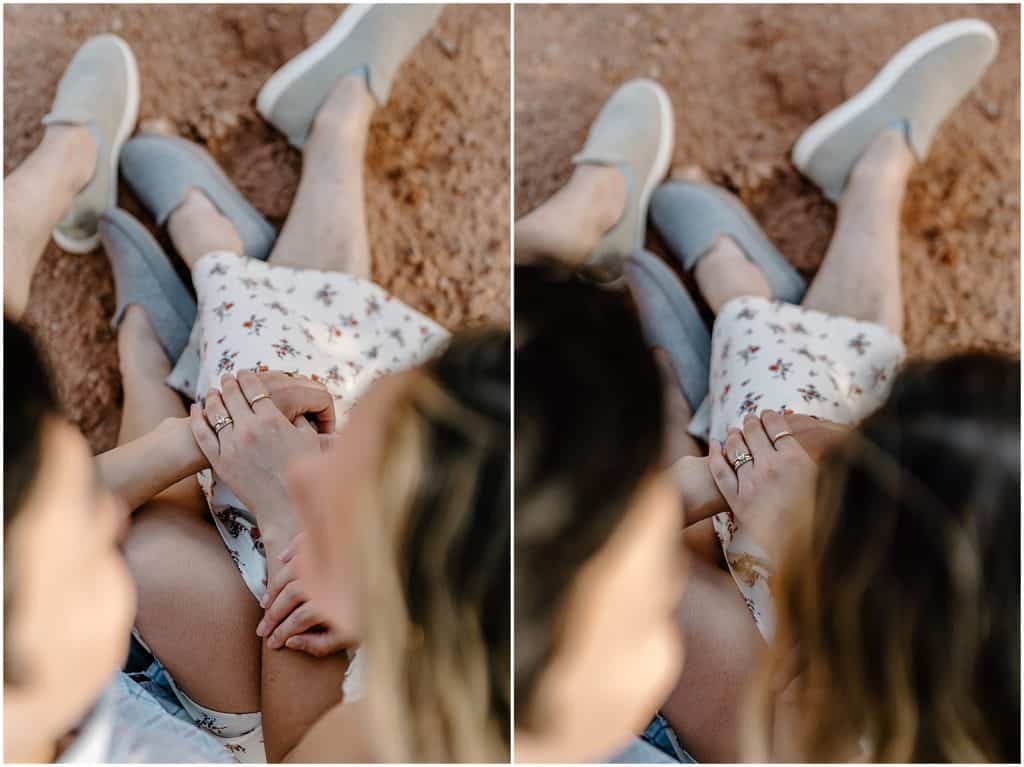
point(745, 81)
point(437, 166)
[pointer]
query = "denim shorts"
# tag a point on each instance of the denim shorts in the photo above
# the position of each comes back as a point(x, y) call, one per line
point(240, 734)
point(657, 745)
point(659, 733)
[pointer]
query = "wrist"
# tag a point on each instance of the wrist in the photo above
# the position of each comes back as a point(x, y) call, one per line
point(276, 518)
point(176, 439)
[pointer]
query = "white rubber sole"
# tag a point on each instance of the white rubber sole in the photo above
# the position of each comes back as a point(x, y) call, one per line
point(283, 78)
point(662, 158)
point(825, 127)
point(124, 130)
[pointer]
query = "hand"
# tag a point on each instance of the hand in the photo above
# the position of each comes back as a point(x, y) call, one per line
point(251, 451)
point(295, 396)
point(291, 620)
point(763, 493)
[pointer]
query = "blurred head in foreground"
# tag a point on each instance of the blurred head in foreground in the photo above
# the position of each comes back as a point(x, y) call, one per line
point(598, 558)
point(899, 599)
point(409, 546)
point(69, 601)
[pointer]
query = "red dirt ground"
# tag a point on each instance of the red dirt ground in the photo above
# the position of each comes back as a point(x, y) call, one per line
point(745, 81)
point(436, 173)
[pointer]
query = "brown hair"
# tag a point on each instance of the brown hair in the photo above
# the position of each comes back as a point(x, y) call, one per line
point(899, 595)
point(589, 434)
point(438, 625)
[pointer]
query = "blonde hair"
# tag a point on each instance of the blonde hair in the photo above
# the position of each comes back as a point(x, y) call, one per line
point(437, 559)
point(898, 594)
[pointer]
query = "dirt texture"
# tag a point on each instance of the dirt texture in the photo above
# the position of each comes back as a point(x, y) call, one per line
point(745, 81)
point(437, 164)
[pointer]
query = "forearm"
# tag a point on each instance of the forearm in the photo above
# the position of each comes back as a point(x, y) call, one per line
point(700, 496)
point(144, 467)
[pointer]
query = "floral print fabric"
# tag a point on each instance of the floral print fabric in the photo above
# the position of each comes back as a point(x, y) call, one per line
point(340, 330)
point(770, 355)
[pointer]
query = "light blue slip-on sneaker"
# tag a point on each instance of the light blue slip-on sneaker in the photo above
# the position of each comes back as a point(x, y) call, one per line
point(691, 216)
point(918, 87)
point(373, 38)
point(99, 90)
point(634, 131)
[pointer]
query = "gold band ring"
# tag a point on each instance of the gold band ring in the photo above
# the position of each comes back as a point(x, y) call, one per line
point(222, 423)
point(257, 398)
point(780, 435)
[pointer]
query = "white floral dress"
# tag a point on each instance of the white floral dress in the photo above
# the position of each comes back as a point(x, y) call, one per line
point(340, 330)
point(770, 355)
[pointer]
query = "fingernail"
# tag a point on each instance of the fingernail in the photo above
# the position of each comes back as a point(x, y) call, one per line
point(274, 643)
point(263, 601)
point(259, 629)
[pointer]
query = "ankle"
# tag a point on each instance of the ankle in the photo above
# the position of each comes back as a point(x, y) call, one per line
point(601, 191)
point(886, 162)
point(197, 227)
point(139, 350)
point(345, 114)
point(725, 273)
point(75, 146)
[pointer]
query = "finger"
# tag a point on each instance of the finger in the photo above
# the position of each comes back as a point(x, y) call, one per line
point(319, 644)
point(284, 575)
point(754, 436)
point(204, 436)
point(291, 596)
point(722, 473)
point(256, 393)
point(215, 410)
point(300, 395)
point(735, 445)
point(318, 402)
point(777, 429)
point(291, 549)
point(302, 619)
point(234, 401)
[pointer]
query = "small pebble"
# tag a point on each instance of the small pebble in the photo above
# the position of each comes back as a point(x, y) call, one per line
point(448, 46)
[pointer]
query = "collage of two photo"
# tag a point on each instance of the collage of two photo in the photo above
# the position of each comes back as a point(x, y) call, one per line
point(511, 383)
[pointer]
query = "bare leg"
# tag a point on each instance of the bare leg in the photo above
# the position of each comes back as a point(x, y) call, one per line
point(860, 276)
point(37, 194)
point(296, 688)
point(195, 611)
point(147, 399)
point(722, 644)
point(326, 227)
point(725, 273)
point(197, 228)
point(570, 223)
